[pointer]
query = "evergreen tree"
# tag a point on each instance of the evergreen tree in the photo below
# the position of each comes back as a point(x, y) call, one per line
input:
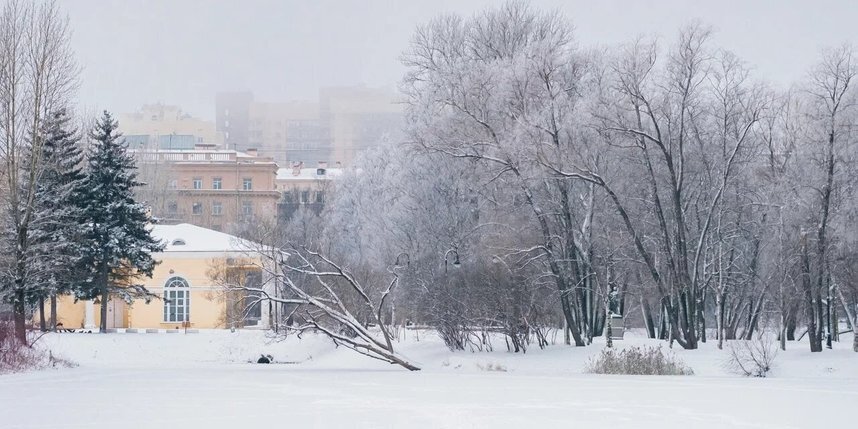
point(57, 228)
point(118, 245)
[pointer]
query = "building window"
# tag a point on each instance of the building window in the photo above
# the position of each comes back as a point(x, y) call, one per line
point(253, 300)
point(247, 184)
point(320, 197)
point(247, 208)
point(198, 183)
point(197, 208)
point(217, 208)
point(287, 197)
point(172, 207)
point(217, 183)
point(305, 197)
point(174, 183)
point(177, 300)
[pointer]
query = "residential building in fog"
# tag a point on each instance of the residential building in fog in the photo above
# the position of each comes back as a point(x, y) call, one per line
point(304, 188)
point(343, 122)
point(359, 118)
point(167, 127)
point(213, 188)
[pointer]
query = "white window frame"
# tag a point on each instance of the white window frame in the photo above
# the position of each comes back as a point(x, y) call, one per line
point(217, 208)
point(217, 183)
point(181, 290)
point(247, 183)
point(197, 183)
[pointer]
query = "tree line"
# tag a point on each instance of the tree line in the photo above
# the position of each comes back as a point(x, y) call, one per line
point(545, 184)
point(69, 222)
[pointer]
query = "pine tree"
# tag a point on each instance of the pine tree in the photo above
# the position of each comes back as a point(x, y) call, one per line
point(118, 245)
point(57, 229)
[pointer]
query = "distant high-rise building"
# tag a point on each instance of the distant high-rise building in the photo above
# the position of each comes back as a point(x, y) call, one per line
point(344, 121)
point(232, 117)
point(162, 126)
point(360, 118)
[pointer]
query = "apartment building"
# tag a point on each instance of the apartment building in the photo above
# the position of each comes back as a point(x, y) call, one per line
point(213, 188)
point(162, 126)
point(336, 128)
point(304, 187)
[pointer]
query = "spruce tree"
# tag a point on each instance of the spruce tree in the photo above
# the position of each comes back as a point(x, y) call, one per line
point(57, 229)
point(118, 245)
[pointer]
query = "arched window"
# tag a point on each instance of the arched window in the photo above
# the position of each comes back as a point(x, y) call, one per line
point(177, 300)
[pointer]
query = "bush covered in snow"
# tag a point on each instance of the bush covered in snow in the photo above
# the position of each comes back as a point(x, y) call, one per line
point(644, 360)
point(754, 357)
point(16, 356)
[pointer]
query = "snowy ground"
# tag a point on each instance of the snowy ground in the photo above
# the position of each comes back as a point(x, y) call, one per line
point(204, 381)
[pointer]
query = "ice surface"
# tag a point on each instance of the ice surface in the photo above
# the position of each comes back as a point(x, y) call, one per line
point(204, 381)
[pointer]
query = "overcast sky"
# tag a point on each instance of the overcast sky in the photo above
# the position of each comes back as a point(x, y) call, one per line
point(183, 52)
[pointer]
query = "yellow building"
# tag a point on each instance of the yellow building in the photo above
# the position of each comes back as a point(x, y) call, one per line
point(189, 285)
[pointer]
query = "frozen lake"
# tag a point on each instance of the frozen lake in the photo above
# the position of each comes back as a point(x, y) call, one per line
point(203, 381)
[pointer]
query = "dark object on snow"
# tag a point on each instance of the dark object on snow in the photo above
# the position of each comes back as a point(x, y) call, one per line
point(265, 359)
point(61, 328)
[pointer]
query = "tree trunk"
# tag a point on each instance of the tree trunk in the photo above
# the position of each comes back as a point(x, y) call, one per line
point(566, 339)
point(719, 319)
point(854, 335)
point(790, 325)
point(570, 321)
point(852, 317)
point(647, 317)
point(53, 311)
point(42, 322)
point(810, 303)
point(701, 317)
point(19, 314)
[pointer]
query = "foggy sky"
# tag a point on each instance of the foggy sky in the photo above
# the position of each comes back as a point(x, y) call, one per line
point(183, 52)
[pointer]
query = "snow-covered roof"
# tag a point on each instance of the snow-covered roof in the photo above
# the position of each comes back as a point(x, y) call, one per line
point(287, 173)
point(185, 237)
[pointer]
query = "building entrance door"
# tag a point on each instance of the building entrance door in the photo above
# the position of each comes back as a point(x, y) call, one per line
point(116, 314)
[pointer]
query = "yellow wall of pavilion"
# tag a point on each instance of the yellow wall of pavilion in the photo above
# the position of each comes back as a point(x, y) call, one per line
point(207, 307)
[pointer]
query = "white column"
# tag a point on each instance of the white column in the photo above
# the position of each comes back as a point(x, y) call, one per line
point(267, 306)
point(89, 320)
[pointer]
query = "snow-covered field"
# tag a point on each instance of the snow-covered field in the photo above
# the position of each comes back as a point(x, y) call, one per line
point(205, 381)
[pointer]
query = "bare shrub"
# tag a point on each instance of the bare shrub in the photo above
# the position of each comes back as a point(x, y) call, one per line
point(492, 367)
point(17, 356)
point(645, 360)
point(754, 357)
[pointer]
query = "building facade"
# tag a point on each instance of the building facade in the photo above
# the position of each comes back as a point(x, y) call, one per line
point(192, 285)
point(304, 188)
point(217, 189)
point(343, 122)
point(161, 126)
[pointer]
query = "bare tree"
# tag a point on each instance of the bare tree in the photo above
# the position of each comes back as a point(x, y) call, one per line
point(37, 75)
point(832, 101)
point(321, 295)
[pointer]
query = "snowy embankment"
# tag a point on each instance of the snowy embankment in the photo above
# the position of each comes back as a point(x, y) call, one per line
point(204, 380)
